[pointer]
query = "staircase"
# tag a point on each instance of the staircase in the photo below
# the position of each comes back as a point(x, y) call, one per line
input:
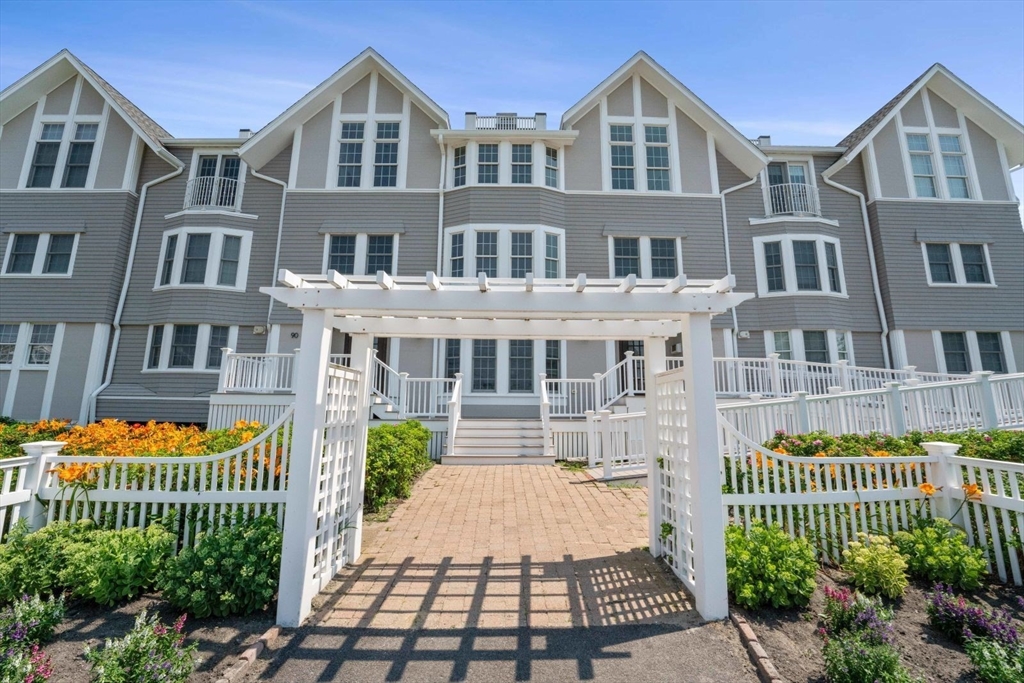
point(499, 442)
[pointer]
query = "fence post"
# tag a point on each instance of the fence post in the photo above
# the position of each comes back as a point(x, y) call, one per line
point(225, 356)
point(912, 370)
point(598, 390)
point(803, 417)
point(844, 375)
point(944, 478)
point(896, 412)
point(774, 375)
point(591, 439)
point(606, 442)
point(989, 414)
point(403, 395)
point(295, 370)
point(630, 374)
point(32, 509)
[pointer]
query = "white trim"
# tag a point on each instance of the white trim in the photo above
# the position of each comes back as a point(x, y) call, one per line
point(201, 353)
point(334, 146)
point(973, 352)
point(908, 173)
point(101, 134)
point(20, 351)
point(973, 183)
point(404, 133)
point(1011, 193)
point(274, 338)
point(940, 353)
point(789, 266)
point(133, 162)
point(51, 373)
point(26, 166)
point(1007, 343)
point(644, 253)
point(94, 370)
point(712, 159)
point(606, 147)
point(293, 163)
point(794, 219)
point(39, 259)
point(898, 341)
point(211, 212)
point(959, 278)
point(213, 257)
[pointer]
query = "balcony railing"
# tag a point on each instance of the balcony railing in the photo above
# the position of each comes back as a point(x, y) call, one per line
point(211, 191)
point(793, 199)
point(506, 122)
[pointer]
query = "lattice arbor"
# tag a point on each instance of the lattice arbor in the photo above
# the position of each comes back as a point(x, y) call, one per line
point(672, 477)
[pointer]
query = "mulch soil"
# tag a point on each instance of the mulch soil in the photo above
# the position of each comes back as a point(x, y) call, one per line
point(220, 640)
point(789, 638)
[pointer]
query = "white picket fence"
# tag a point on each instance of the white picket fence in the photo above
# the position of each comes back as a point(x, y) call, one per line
point(615, 442)
point(202, 492)
point(981, 401)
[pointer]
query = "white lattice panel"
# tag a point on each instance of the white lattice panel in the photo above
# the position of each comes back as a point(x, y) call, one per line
point(673, 481)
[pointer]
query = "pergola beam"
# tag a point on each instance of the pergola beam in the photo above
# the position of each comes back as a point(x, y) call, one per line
point(442, 328)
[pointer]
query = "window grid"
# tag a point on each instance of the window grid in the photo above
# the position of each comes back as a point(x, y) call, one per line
point(40, 346)
point(990, 349)
point(458, 256)
point(58, 254)
point(940, 262)
point(842, 348)
point(553, 359)
point(230, 251)
point(350, 155)
point(954, 349)
point(170, 248)
point(183, 346)
point(627, 256)
point(954, 162)
point(816, 346)
point(385, 160)
point(972, 256)
point(23, 254)
point(218, 340)
point(155, 347)
point(197, 249)
point(551, 167)
point(485, 364)
point(342, 254)
point(783, 344)
point(459, 163)
point(805, 259)
point(487, 164)
point(452, 357)
point(76, 169)
point(550, 255)
point(8, 343)
point(520, 365)
point(663, 258)
point(379, 253)
point(44, 160)
point(774, 272)
point(921, 164)
point(832, 265)
point(487, 253)
point(522, 164)
point(522, 254)
point(656, 145)
point(623, 163)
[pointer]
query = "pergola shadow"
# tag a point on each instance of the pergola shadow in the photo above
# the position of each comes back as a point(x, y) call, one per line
point(435, 620)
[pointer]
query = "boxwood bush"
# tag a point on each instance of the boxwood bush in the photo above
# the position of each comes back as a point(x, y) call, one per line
point(767, 567)
point(396, 454)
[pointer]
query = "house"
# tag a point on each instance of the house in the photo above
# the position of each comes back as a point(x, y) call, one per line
point(132, 258)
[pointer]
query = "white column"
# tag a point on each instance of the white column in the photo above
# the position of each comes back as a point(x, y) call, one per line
point(296, 589)
point(708, 518)
point(362, 360)
point(654, 362)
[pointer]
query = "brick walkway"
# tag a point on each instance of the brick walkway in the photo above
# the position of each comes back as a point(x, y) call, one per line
point(507, 573)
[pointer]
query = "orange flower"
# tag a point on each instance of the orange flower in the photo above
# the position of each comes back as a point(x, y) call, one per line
point(928, 489)
point(972, 492)
point(74, 473)
point(820, 454)
point(878, 454)
point(780, 450)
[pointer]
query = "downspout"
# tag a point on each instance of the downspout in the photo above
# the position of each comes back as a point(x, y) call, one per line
point(280, 231)
point(124, 286)
point(871, 259)
point(728, 257)
point(440, 232)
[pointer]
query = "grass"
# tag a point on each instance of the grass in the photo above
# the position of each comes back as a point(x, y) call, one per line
point(573, 465)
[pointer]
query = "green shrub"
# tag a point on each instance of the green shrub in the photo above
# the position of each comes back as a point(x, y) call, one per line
point(876, 566)
point(149, 653)
point(30, 562)
point(995, 662)
point(938, 551)
point(112, 566)
point(1006, 445)
point(996, 444)
point(29, 621)
point(767, 567)
point(853, 659)
point(233, 570)
point(395, 456)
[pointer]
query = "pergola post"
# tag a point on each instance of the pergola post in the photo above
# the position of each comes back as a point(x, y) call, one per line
point(654, 362)
point(296, 588)
point(362, 360)
point(708, 515)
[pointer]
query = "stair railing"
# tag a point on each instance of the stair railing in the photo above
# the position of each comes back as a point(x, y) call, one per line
point(387, 383)
point(545, 415)
point(454, 413)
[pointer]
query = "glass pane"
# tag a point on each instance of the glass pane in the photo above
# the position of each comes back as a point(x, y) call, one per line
point(797, 174)
point(379, 254)
point(485, 364)
point(23, 253)
point(925, 186)
point(922, 164)
point(773, 267)
point(663, 258)
point(918, 142)
point(954, 347)
point(196, 250)
point(950, 143)
point(457, 255)
point(352, 131)
point(940, 262)
point(621, 133)
point(487, 154)
point(782, 345)
point(52, 131)
point(520, 365)
point(954, 165)
point(622, 155)
point(816, 346)
point(958, 188)
point(975, 265)
point(622, 179)
point(207, 167)
point(58, 254)
point(388, 130)
point(627, 256)
point(805, 257)
point(183, 347)
point(41, 344)
point(990, 347)
point(342, 257)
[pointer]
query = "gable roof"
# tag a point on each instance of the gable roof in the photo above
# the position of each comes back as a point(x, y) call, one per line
point(733, 144)
point(951, 88)
point(270, 140)
point(27, 90)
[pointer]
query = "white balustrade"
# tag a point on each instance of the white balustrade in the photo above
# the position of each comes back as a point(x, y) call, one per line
point(211, 191)
point(616, 442)
point(454, 413)
point(799, 199)
point(256, 372)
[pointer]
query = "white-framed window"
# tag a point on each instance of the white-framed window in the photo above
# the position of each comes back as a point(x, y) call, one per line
point(520, 366)
point(955, 353)
point(816, 346)
point(551, 167)
point(76, 168)
point(501, 251)
point(44, 159)
point(485, 365)
point(957, 264)
point(29, 346)
point(385, 155)
point(781, 344)
point(350, 154)
point(657, 149)
point(452, 357)
point(922, 164)
point(954, 164)
point(216, 179)
point(939, 164)
point(812, 346)
point(459, 166)
point(487, 164)
point(40, 254)
point(40, 344)
point(799, 264)
point(8, 343)
point(646, 257)
point(204, 257)
point(623, 157)
point(188, 347)
point(361, 253)
point(522, 164)
point(502, 368)
point(962, 352)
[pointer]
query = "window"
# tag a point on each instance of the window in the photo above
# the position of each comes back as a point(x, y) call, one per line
point(522, 164)
point(183, 346)
point(485, 364)
point(459, 164)
point(40, 254)
point(342, 255)
point(789, 189)
point(44, 161)
point(458, 257)
point(23, 254)
point(218, 340)
point(76, 169)
point(551, 167)
point(210, 257)
point(622, 158)
point(627, 256)
point(40, 344)
point(550, 255)
point(990, 349)
point(553, 359)
point(8, 343)
point(799, 264)
point(350, 155)
point(487, 253)
point(957, 264)
point(663, 258)
point(156, 343)
point(379, 254)
point(452, 357)
point(955, 165)
point(816, 346)
point(783, 345)
point(522, 253)
point(656, 144)
point(842, 346)
point(520, 365)
point(954, 349)
point(805, 258)
point(773, 267)
point(921, 164)
point(487, 164)
point(385, 159)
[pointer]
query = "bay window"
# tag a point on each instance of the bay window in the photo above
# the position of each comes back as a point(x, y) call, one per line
point(799, 264)
point(497, 369)
point(503, 251)
point(522, 164)
point(216, 258)
point(190, 347)
point(811, 346)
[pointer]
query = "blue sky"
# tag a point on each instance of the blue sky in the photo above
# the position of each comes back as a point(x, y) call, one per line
point(805, 73)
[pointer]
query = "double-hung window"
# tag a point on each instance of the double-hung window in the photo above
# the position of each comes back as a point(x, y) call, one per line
point(229, 255)
point(44, 160)
point(40, 254)
point(842, 346)
point(350, 154)
point(522, 253)
point(8, 343)
point(954, 349)
point(656, 145)
point(76, 169)
point(805, 260)
point(990, 351)
point(219, 335)
point(832, 266)
point(487, 253)
point(921, 164)
point(940, 263)
point(522, 164)
point(485, 365)
point(342, 254)
point(551, 257)
point(551, 167)
point(957, 264)
point(379, 254)
point(553, 359)
point(156, 347)
point(774, 272)
point(40, 345)
point(197, 251)
point(23, 254)
point(783, 344)
point(458, 255)
point(360, 253)
point(623, 162)
point(385, 158)
point(58, 254)
point(183, 346)
point(487, 164)
point(954, 163)
point(452, 357)
point(645, 257)
point(799, 264)
point(627, 256)
point(459, 167)
point(816, 346)
point(663, 258)
point(520, 365)
point(972, 256)
point(211, 257)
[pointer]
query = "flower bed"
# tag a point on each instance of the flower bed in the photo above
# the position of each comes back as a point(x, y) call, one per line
point(996, 444)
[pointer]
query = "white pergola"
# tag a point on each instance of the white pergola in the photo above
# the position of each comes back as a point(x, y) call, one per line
point(483, 308)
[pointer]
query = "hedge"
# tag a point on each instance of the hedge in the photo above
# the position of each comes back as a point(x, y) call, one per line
point(396, 454)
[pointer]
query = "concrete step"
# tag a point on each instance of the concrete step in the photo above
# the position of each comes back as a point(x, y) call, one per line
point(479, 459)
point(487, 441)
point(498, 450)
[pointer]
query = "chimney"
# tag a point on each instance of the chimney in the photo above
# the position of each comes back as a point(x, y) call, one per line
point(245, 133)
point(541, 120)
point(470, 120)
point(764, 140)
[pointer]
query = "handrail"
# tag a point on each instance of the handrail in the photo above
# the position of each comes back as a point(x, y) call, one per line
point(385, 379)
point(212, 191)
point(793, 199)
point(545, 414)
point(454, 413)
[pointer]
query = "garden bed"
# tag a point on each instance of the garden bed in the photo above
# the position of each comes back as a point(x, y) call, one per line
point(220, 640)
point(790, 636)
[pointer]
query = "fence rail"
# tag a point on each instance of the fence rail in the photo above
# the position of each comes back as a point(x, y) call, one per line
point(256, 372)
point(615, 442)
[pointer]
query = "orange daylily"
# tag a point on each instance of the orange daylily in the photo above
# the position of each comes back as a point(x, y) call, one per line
point(972, 492)
point(928, 489)
point(74, 473)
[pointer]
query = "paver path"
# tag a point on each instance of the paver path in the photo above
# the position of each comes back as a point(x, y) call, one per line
point(492, 573)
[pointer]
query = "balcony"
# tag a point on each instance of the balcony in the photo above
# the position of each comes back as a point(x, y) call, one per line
point(506, 121)
point(792, 199)
point(211, 192)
